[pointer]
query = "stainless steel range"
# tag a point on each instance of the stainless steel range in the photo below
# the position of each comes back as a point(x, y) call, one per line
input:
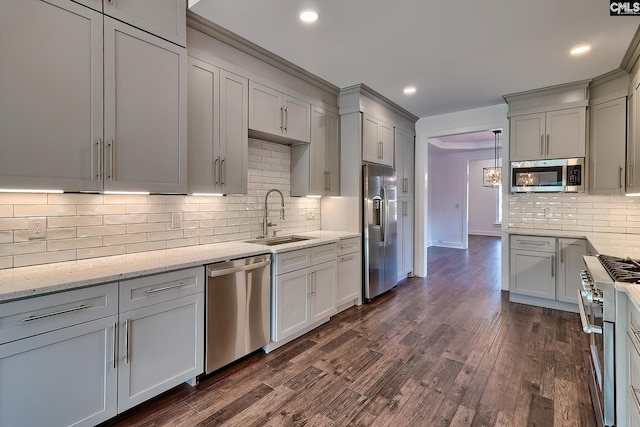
point(597, 304)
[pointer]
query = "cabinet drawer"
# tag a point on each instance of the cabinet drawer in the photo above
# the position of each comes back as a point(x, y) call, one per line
point(634, 325)
point(534, 243)
point(291, 261)
point(324, 253)
point(348, 246)
point(634, 370)
point(33, 316)
point(144, 291)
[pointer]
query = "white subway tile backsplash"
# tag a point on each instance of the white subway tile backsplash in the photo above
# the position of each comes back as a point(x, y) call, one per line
point(83, 226)
point(65, 244)
point(43, 258)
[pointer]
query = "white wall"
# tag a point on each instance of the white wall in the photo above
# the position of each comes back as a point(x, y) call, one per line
point(482, 201)
point(458, 203)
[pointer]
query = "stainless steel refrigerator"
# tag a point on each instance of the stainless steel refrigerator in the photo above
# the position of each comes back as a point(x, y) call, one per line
point(380, 229)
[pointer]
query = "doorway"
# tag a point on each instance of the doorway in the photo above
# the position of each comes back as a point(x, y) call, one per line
point(458, 203)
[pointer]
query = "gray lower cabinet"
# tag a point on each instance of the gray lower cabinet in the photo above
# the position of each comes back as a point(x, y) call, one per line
point(71, 359)
point(304, 292)
point(570, 263)
point(546, 268)
point(349, 290)
point(58, 356)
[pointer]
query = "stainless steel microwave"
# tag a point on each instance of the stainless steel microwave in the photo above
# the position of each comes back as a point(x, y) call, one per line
point(554, 175)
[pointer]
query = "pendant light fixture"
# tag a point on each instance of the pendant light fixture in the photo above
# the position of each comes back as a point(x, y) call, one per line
point(492, 177)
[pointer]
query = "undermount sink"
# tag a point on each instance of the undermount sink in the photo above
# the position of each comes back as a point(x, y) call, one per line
point(273, 241)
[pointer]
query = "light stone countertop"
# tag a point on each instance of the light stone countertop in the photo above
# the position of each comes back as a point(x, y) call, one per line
point(614, 244)
point(16, 283)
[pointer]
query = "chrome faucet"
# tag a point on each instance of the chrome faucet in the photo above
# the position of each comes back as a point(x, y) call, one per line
point(265, 223)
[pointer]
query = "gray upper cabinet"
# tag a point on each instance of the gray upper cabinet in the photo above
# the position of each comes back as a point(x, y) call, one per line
point(315, 167)
point(50, 95)
point(107, 113)
point(275, 115)
point(377, 141)
point(549, 135)
point(217, 134)
point(405, 148)
point(607, 139)
point(145, 113)
point(633, 144)
point(164, 18)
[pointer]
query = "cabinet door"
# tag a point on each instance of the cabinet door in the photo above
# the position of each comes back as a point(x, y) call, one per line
point(633, 412)
point(203, 127)
point(234, 139)
point(527, 137)
point(317, 169)
point(61, 378)
point(533, 273)
point(161, 346)
point(404, 157)
point(349, 278)
point(145, 111)
point(297, 119)
point(570, 263)
point(371, 144)
point(291, 303)
point(633, 145)
point(50, 95)
point(566, 133)
point(405, 226)
point(386, 134)
point(265, 109)
point(164, 18)
point(332, 155)
point(323, 290)
point(607, 137)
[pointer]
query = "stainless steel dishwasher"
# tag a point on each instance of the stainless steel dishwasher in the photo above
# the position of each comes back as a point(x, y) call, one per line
point(237, 313)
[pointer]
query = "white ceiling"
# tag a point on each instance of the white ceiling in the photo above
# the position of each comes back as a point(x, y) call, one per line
point(460, 55)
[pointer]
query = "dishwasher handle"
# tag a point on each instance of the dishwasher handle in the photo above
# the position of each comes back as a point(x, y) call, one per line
point(225, 271)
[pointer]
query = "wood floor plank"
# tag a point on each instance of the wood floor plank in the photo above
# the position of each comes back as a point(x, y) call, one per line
point(447, 350)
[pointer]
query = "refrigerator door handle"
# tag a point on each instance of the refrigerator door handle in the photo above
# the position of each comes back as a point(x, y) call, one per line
point(385, 213)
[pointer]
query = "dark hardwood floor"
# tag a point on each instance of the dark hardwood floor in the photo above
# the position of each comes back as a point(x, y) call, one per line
point(449, 350)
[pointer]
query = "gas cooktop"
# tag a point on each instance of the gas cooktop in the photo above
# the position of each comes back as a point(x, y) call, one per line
point(621, 269)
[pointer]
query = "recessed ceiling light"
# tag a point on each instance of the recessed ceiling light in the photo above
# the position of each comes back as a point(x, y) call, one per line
point(409, 90)
point(580, 50)
point(308, 16)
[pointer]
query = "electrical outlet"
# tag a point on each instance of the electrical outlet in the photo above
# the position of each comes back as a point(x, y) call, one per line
point(37, 228)
point(311, 214)
point(547, 213)
point(176, 220)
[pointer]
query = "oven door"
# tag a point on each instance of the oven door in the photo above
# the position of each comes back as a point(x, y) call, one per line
point(600, 384)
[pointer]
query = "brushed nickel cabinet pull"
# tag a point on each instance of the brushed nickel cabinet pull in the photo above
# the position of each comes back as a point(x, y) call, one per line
point(547, 150)
point(100, 154)
point(216, 170)
point(223, 172)
point(112, 170)
point(115, 344)
point(281, 119)
point(56, 313)
point(166, 288)
point(542, 145)
point(126, 341)
point(286, 119)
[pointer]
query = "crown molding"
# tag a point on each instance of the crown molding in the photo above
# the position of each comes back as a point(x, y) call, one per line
point(207, 27)
point(633, 53)
point(365, 90)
